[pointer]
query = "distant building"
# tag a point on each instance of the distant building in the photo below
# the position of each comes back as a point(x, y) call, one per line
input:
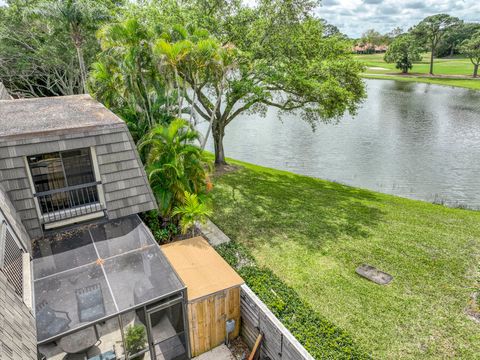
point(369, 48)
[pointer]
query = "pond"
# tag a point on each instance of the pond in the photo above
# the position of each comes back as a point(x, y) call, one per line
point(414, 140)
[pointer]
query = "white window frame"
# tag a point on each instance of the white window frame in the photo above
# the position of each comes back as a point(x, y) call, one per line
point(74, 219)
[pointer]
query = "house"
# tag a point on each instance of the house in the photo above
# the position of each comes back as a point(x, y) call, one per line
point(78, 268)
point(370, 48)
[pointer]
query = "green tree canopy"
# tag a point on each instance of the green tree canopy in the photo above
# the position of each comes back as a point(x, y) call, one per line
point(403, 51)
point(126, 78)
point(373, 38)
point(471, 49)
point(46, 46)
point(431, 30)
point(247, 59)
point(449, 45)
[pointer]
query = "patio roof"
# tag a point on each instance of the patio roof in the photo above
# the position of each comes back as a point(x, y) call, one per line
point(94, 272)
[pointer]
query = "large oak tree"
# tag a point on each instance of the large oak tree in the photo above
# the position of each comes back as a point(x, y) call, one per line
point(249, 58)
point(281, 59)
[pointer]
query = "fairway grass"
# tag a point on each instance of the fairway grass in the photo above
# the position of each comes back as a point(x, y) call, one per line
point(314, 233)
point(377, 68)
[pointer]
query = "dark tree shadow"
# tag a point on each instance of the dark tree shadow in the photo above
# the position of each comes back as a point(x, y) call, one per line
point(262, 206)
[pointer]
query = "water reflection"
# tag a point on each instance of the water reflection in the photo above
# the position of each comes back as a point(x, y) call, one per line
point(415, 140)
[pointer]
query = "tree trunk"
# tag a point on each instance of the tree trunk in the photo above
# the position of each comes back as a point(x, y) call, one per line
point(207, 134)
point(475, 70)
point(218, 135)
point(81, 64)
point(77, 39)
point(431, 62)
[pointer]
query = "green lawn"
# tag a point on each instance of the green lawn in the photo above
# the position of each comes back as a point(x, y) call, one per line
point(314, 233)
point(450, 66)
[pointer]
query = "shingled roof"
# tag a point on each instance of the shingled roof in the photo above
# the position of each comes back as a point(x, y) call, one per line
point(60, 115)
point(45, 125)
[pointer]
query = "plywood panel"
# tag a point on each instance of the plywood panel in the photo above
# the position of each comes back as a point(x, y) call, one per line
point(207, 318)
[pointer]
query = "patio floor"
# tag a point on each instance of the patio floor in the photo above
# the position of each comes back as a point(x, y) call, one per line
point(221, 352)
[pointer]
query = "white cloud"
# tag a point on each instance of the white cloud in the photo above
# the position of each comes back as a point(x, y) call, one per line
point(353, 17)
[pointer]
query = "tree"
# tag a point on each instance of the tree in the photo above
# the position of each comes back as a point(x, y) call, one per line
point(275, 54)
point(372, 38)
point(432, 29)
point(79, 17)
point(174, 164)
point(449, 45)
point(331, 30)
point(471, 49)
point(403, 51)
point(393, 34)
point(37, 55)
point(126, 79)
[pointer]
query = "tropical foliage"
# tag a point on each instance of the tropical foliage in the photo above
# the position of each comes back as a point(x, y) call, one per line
point(174, 164)
point(193, 211)
point(224, 59)
point(126, 79)
point(135, 339)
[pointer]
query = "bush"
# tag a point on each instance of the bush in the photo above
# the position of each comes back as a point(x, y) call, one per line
point(135, 339)
point(163, 231)
point(320, 337)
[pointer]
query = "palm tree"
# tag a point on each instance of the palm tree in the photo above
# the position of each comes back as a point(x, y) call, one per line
point(171, 55)
point(193, 210)
point(125, 78)
point(174, 164)
point(79, 17)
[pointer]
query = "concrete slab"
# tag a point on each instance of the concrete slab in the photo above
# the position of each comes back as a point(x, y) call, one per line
point(214, 235)
point(373, 274)
point(219, 353)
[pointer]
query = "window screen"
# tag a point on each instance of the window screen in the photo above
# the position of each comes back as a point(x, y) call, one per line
point(11, 260)
point(63, 180)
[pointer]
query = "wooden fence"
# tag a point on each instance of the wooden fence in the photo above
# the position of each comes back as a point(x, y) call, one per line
point(278, 343)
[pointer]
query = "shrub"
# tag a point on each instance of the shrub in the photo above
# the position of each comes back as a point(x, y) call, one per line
point(319, 336)
point(135, 339)
point(193, 210)
point(163, 231)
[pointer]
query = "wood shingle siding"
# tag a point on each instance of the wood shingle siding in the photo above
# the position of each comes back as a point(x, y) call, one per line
point(17, 325)
point(123, 178)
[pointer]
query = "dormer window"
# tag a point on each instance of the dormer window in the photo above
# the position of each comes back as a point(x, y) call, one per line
point(65, 186)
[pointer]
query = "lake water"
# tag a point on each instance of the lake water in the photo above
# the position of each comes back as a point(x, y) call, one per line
point(419, 141)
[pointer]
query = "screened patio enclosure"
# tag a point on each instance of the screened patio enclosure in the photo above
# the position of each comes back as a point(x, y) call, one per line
point(95, 282)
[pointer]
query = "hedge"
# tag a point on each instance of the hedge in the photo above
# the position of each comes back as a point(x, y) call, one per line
point(320, 337)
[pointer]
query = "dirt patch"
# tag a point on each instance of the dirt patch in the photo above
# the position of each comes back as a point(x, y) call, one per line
point(473, 307)
point(239, 349)
point(225, 169)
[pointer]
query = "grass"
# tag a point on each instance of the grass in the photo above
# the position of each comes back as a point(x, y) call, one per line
point(456, 66)
point(313, 234)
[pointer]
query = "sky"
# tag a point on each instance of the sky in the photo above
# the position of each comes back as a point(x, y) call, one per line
point(353, 17)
